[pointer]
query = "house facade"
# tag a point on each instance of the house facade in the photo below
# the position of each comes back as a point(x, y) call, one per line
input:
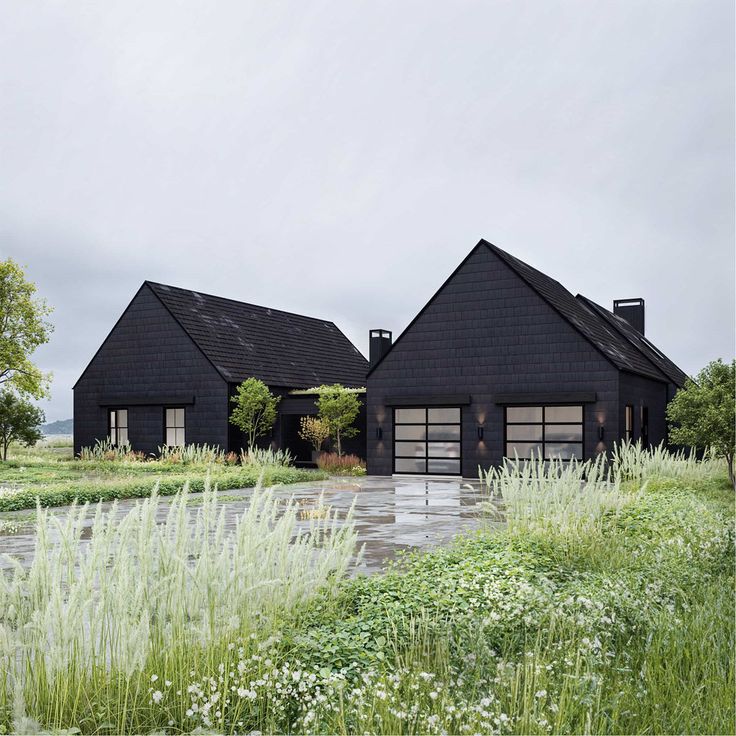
point(504, 362)
point(167, 371)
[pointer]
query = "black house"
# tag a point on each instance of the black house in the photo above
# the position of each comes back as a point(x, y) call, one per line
point(167, 370)
point(503, 361)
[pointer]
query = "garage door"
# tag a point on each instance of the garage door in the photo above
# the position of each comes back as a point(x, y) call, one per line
point(427, 440)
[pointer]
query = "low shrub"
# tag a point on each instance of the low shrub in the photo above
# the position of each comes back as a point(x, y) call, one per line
point(266, 458)
point(335, 464)
point(80, 491)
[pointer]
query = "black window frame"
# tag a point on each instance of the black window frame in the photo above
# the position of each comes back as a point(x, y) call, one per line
point(115, 430)
point(629, 422)
point(644, 426)
point(175, 426)
point(426, 424)
point(543, 424)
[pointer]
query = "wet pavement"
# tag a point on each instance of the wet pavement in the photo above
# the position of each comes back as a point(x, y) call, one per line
point(391, 513)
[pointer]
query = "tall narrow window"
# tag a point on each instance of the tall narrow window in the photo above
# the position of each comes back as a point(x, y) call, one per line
point(175, 427)
point(644, 426)
point(117, 426)
point(629, 423)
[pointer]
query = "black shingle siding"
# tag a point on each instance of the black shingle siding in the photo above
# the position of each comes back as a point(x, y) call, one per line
point(148, 355)
point(487, 332)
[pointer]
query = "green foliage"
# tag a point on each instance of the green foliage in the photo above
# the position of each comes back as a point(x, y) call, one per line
point(703, 413)
point(23, 328)
point(315, 431)
point(338, 407)
point(255, 409)
point(619, 622)
point(266, 458)
point(19, 421)
point(66, 483)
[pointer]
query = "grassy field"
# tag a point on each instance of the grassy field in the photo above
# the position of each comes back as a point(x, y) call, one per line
point(603, 610)
point(50, 474)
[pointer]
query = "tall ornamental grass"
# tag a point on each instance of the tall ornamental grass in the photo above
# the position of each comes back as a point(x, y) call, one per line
point(99, 603)
point(553, 496)
point(632, 462)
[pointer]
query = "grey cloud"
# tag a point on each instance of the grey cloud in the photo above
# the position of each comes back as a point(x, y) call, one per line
point(340, 159)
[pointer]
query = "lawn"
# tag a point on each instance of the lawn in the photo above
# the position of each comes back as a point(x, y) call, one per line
point(49, 474)
point(603, 610)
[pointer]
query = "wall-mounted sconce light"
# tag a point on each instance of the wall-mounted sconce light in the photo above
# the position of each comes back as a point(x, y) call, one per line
point(601, 432)
point(379, 433)
point(480, 431)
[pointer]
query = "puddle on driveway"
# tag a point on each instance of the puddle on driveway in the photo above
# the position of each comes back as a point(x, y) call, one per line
point(391, 514)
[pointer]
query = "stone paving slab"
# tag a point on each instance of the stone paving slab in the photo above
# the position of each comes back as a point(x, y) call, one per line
point(390, 514)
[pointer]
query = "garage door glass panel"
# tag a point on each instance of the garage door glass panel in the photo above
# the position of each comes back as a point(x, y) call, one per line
point(410, 465)
point(563, 413)
point(411, 432)
point(411, 449)
point(521, 414)
point(443, 467)
point(411, 416)
point(524, 432)
point(563, 433)
point(444, 449)
point(444, 416)
point(523, 450)
point(563, 450)
point(444, 432)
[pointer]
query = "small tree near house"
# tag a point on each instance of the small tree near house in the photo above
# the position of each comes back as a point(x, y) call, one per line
point(703, 414)
point(255, 409)
point(315, 431)
point(19, 421)
point(338, 407)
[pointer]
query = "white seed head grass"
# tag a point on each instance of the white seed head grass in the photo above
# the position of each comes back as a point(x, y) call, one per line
point(136, 584)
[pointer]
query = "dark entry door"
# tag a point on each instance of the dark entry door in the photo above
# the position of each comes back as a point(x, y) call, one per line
point(427, 440)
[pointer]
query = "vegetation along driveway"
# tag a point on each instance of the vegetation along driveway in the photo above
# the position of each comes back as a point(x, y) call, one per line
point(391, 514)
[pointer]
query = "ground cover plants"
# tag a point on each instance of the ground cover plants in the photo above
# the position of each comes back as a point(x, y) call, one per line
point(51, 476)
point(604, 605)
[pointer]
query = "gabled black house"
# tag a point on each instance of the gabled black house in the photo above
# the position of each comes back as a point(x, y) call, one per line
point(503, 361)
point(167, 370)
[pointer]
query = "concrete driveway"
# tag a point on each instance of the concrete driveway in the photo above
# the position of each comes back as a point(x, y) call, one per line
point(391, 513)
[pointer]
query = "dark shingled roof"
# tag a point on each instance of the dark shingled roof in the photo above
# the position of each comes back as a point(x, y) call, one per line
point(280, 348)
point(609, 341)
point(654, 354)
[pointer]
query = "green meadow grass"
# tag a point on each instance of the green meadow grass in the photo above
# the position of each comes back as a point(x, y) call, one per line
point(600, 608)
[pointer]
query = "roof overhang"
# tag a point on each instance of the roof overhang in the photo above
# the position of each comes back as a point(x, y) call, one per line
point(568, 397)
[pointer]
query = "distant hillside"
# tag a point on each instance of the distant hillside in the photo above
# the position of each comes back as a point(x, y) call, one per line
point(63, 426)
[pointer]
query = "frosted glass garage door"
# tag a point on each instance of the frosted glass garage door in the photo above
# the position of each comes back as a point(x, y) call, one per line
point(427, 440)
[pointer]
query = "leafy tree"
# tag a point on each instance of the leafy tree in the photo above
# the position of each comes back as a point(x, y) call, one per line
point(22, 329)
point(19, 421)
point(703, 415)
point(255, 410)
point(315, 431)
point(338, 407)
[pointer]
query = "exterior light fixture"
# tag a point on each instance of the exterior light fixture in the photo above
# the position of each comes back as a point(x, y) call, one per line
point(600, 432)
point(480, 431)
point(379, 433)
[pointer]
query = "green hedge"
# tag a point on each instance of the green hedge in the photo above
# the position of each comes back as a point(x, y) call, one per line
point(69, 491)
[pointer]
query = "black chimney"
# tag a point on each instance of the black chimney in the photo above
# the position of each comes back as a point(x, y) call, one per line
point(632, 310)
point(379, 344)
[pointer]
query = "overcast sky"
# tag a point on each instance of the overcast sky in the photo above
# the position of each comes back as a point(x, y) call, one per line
point(339, 159)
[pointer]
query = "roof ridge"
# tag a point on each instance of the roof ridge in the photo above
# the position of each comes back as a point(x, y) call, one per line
point(625, 329)
point(611, 352)
point(237, 301)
